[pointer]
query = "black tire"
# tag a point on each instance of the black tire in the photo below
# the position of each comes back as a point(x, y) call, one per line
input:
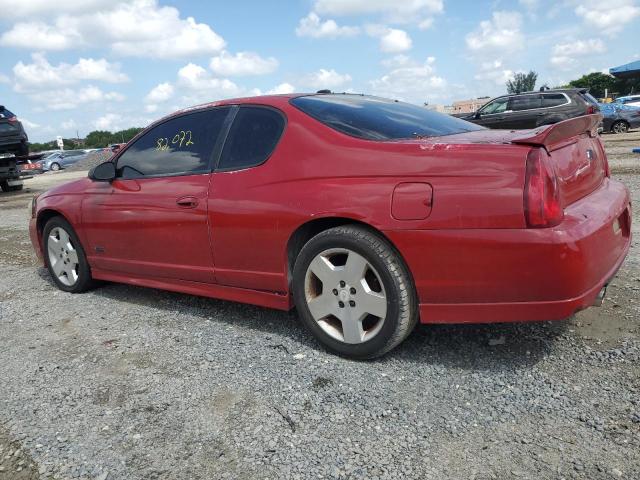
point(85, 281)
point(402, 306)
point(620, 126)
point(4, 186)
point(54, 167)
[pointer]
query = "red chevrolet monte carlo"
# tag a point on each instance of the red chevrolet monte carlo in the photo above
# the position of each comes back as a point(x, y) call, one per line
point(366, 214)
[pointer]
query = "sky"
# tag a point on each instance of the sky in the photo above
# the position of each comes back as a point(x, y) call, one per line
point(68, 67)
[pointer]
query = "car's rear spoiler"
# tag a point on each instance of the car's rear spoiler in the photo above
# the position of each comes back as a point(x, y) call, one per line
point(554, 136)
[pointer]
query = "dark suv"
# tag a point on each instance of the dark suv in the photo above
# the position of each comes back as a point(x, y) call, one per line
point(532, 109)
point(13, 139)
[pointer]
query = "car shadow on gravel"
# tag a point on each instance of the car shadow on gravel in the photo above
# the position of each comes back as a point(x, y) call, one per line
point(493, 347)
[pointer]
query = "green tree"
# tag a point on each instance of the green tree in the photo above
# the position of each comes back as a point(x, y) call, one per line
point(598, 83)
point(522, 82)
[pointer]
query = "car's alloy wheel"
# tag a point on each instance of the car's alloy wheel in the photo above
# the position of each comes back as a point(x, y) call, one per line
point(345, 295)
point(64, 257)
point(55, 166)
point(620, 127)
point(354, 292)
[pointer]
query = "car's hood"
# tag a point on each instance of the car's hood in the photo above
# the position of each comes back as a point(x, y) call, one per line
point(73, 187)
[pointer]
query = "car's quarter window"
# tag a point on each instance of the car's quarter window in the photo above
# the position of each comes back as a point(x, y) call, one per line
point(180, 146)
point(553, 100)
point(524, 102)
point(499, 105)
point(252, 138)
point(373, 118)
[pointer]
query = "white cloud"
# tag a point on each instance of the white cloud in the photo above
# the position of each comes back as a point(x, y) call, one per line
point(40, 74)
point(530, 5)
point(4, 78)
point(610, 17)
point(196, 78)
point(414, 82)
point(141, 28)
point(68, 124)
point(160, 93)
point(392, 40)
point(313, 26)
point(30, 125)
point(283, 88)
point(396, 11)
point(13, 9)
point(495, 72)
point(326, 79)
point(68, 98)
point(40, 36)
point(500, 34)
point(111, 122)
point(565, 55)
point(242, 63)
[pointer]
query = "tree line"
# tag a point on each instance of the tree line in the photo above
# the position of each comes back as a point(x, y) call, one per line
point(95, 139)
point(598, 84)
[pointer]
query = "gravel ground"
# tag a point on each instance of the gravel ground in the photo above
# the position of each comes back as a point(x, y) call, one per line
point(134, 383)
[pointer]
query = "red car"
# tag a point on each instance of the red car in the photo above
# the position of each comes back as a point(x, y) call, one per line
point(365, 214)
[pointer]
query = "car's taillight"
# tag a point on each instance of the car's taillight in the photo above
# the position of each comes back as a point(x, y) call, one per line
point(542, 206)
point(13, 119)
point(591, 109)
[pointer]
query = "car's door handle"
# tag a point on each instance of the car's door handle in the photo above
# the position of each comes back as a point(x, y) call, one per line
point(187, 202)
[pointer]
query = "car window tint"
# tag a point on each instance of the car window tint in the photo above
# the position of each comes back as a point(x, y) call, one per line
point(524, 102)
point(4, 113)
point(181, 145)
point(373, 118)
point(553, 99)
point(252, 137)
point(499, 105)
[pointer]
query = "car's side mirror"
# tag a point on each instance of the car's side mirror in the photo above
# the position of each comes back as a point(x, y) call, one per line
point(105, 172)
point(477, 115)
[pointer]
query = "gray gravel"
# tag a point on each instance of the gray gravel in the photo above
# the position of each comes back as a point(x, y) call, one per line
point(133, 383)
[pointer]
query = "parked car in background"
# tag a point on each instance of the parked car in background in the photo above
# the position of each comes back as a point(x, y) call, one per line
point(13, 138)
point(61, 159)
point(619, 118)
point(629, 100)
point(533, 109)
point(367, 214)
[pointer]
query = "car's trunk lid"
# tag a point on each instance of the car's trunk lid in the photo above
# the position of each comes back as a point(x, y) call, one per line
point(574, 146)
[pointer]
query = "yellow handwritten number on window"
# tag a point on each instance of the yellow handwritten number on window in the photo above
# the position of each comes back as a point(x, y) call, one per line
point(182, 138)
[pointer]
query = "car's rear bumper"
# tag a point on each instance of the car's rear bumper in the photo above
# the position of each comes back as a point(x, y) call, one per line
point(504, 275)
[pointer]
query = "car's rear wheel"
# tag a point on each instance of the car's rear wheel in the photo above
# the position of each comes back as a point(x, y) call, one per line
point(65, 258)
point(353, 291)
point(620, 127)
point(5, 187)
point(54, 166)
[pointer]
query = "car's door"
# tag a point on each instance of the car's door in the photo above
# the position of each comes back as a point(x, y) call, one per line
point(152, 219)
point(494, 113)
point(69, 158)
point(526, 111)
point(244, 232)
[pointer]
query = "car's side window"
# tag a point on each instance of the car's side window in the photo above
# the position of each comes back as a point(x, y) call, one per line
point(553, 99)
point(497, 106)
point(524, 102)
point(252, 138)
point(180, 146)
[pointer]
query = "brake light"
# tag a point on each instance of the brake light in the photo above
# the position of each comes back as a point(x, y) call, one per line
point(13, 119)
point(591, 109)
point(542, 206)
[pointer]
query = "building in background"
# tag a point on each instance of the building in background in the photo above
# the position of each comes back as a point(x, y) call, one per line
point(469, 106)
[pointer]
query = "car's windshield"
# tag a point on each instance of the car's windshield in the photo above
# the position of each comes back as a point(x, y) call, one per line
point(373, 118)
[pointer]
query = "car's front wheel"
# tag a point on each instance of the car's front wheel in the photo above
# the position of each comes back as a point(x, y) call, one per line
point(353, 291)
point(620, 127)
point(65, 258)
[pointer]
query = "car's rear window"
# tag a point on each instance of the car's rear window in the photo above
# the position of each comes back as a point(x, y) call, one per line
point(4, 113)
point(373, 118)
